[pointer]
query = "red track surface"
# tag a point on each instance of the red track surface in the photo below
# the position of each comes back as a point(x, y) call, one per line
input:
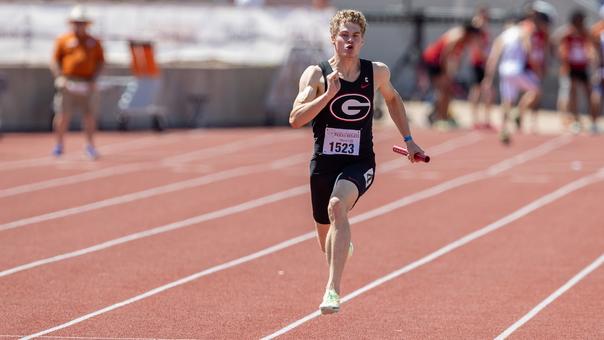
point(473, 290)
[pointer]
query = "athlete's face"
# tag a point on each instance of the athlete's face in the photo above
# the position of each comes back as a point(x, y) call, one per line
point(349, 40)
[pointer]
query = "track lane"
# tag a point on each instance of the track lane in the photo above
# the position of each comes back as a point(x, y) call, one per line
point(575, 314)
point(127, 216)
point(475, 291)
point(239, 224)
point(256, 313)
point(172, 150)
point(314, 248)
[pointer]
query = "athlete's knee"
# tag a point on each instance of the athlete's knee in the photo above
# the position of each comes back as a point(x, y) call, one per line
point(336, 209)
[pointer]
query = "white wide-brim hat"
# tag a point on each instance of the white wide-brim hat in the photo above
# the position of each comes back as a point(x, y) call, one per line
point(79, 14)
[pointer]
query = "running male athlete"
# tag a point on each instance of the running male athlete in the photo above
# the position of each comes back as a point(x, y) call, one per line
point(597, 36)
point(442, 60)
point(511, 51)
point(337, 97)
point(577, 54)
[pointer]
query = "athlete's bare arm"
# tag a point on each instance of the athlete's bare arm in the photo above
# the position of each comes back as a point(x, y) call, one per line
point(312, 97)
point(491, 66)
point(394, 102)
point(448, 59)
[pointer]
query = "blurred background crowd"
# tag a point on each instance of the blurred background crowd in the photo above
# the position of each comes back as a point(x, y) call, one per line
point(182, 64)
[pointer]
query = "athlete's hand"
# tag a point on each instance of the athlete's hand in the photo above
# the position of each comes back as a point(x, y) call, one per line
point(413, 149)
point(60, 82)
point(333, 84)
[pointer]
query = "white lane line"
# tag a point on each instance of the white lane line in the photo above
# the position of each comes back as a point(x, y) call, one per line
point(204, 217)
point(78, 178)
point(256, 255)
point(438, 149)
point(186, 184)
point(91, 337)
point(173, 284)
point(256, 141)
point(147, 193)
point(105, 149)
point(255, 203)
point(170, 161)
point(525, 210)
point(568, 285)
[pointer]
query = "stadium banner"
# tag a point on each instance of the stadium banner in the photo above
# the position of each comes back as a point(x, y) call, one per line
point(181, 33)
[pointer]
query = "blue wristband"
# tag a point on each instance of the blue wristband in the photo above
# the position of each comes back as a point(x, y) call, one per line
point(407, 138)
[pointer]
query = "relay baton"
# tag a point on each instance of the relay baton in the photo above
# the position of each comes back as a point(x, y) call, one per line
point(418, 157)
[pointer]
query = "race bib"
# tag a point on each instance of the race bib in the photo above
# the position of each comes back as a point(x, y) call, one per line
point(341, 142)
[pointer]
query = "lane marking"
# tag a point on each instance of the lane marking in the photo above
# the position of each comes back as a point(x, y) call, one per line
point(93, 337)
point(147, 193)
point(568, 285)
point(106, 149)
point(78, 178)
point(264, 139)
point(525, 210)
point(296, 191)
point(437, 150)
point(155, 191)
point(170, 161)
point(544, 148)
point(442, 148)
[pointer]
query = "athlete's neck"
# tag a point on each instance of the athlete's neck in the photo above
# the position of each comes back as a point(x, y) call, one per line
point(348, 68)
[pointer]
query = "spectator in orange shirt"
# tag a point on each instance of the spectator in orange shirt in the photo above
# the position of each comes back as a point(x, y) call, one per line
point(78, 60)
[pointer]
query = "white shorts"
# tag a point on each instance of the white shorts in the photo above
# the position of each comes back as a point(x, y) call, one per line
point(510, 86)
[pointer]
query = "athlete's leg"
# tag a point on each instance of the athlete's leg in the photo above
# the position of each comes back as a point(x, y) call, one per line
point(474, 97)
point(446, 97)
point(487, 98)
point(61, 123)
point(509, 93)
point(528, 101)
point(441, 104)
point(63, 106)
point(530, 85)
point(322, 230)
point(572, 100)
point(586, 87)
point(89, 123)
point(343, 198)
point(596, 106)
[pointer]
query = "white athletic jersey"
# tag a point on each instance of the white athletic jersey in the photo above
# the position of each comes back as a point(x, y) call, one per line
point(513, 56)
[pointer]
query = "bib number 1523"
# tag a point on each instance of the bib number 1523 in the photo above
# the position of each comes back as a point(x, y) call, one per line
point(341, 142)
point(341, 148)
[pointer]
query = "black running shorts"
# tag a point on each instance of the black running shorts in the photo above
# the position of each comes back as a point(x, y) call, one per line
point(322, 184)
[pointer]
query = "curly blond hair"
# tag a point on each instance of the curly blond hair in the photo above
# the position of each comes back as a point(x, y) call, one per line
point(344, 16)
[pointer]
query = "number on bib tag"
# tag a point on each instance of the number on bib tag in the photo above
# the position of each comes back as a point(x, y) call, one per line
point(341, 142)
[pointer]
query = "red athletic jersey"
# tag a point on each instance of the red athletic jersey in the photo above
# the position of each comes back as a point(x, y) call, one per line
point(433, 53)
point(480, 51)
point(538, 50)
point(574, 49)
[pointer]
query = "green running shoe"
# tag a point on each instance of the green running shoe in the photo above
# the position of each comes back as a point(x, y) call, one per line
point(331, 302)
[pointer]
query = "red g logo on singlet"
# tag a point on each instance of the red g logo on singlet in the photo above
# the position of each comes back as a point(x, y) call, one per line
point(350, 107)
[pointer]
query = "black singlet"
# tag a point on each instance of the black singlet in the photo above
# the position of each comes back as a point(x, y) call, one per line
point(343, 129)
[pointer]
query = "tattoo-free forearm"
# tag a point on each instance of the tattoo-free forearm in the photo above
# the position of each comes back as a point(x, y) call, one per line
point(397, 112)
point(302, 113)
